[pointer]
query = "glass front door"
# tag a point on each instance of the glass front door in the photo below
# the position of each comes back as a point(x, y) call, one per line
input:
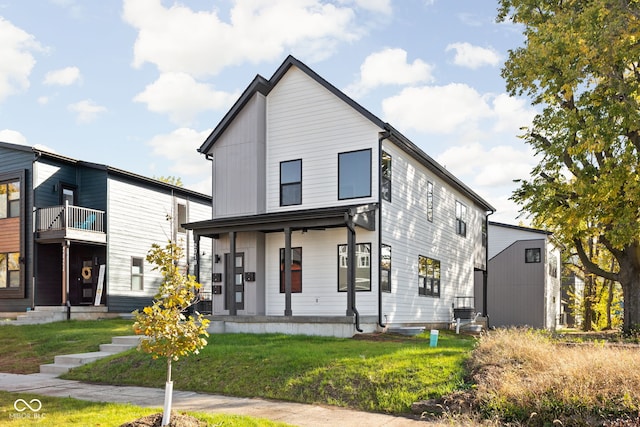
point(236, 268)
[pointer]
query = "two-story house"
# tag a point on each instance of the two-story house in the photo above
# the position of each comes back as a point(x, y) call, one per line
point(524, 278)
point(74, 235)
point(328, 221)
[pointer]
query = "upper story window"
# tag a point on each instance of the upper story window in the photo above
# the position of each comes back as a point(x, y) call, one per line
point(386, 176)
point(291, 182)
point(429, 201)
point(354, 174)
point(182, 218)
point(532, 255)
point(461, 219)
point(9, 199)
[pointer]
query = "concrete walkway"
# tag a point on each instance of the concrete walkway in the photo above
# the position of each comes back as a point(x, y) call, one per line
point(291, 413)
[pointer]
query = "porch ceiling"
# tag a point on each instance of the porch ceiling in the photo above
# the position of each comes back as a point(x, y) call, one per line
point(363, 216)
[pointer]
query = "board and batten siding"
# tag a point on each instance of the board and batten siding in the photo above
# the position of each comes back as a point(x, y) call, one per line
point(306, 121)
point(238, 163)
point(319, 296)
point(409, 233)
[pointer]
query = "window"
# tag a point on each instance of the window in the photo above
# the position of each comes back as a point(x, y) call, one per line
point(296, 270)
point(532, 255)
point(182, 218)
point(362, 266)
point(10, 270)
point(429, 276)
point(10, 199)
point(430, 201)
point(291, 183)
point(461, 219)
point(137, 274)
point(385, 268)
point(354, 174)
point(386, 176)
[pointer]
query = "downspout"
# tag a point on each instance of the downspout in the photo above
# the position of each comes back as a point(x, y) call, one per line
point(485, 274)
point(34, 218)
point(351, 285)
point(383, 136)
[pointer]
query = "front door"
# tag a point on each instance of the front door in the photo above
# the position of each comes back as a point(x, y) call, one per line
point(237, 270)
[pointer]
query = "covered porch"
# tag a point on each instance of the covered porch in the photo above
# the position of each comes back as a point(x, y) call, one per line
point(232, 319)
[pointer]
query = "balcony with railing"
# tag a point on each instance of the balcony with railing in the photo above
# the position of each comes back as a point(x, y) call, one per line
point(68, 222)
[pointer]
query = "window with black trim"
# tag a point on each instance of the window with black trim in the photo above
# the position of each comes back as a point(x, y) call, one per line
point(428, 276)
point(385, 268)
point(10, 270)
point(10, 199)
point(291, 182)
point(386, 176)
point(429, 201)
point(296, 270)
point(182, 218)
point(362, 266)
point(354, 174)
point(532, 255)
point(461, 219)
point(137, 274)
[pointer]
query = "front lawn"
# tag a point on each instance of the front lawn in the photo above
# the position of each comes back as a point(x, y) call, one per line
point(372, 375)
point(24, 348)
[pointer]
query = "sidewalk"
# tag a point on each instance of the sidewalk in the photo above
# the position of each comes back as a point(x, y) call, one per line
point(292, 413)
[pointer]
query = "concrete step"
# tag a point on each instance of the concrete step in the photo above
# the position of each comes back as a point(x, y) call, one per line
point(80, 358)
point(132, 340)
point(56, 369)
point(115, 348)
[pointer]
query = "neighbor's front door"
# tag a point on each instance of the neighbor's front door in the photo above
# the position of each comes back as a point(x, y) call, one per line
point(236, 269)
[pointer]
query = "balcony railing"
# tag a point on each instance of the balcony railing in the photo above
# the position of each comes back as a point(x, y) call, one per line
point(61, 221)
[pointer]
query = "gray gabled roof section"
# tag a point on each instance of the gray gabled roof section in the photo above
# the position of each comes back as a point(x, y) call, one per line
point(110, 170)
point(520, 228)
point(264, 86)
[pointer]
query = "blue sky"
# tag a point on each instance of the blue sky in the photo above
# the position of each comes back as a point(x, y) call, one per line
point(139, 84)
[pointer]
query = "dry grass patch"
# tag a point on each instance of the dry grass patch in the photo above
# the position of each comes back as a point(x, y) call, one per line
point(524, 375)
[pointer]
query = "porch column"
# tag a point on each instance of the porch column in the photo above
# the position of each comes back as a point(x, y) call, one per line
point(231, 275)
point(287, 272)
point(351, 270)
point(65, 272)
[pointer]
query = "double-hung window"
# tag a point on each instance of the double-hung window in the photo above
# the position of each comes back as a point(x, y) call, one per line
point(429, 276)
point(461, 219)
point(429, 201)
point(296, 270)
point(362, 267)
point(354, 174)
point(137, 274)
point(291, 182)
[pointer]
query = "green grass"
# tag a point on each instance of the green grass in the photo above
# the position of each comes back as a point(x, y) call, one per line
point(57, 411)
point(24, 348)
point(382, 376)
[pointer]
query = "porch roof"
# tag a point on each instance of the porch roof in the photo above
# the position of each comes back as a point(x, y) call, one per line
point(337, 216)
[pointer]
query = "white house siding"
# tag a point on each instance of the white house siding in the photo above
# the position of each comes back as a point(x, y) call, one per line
point(306, 121)
point(319, 296)
point(136, 220)
point(238, 163)
point(502, 237)
point(409, 233)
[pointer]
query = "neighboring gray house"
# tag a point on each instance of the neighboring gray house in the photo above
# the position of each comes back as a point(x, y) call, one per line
point(524, 278)
point(328, 221)
point(75, 234)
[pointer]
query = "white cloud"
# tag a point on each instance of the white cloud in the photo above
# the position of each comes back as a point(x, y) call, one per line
point(436, 109)
point(87, 110)
point(470, 56)
point(178, 39)
point(382, 6)
point(180, 96)
point(17, 59)
point(488, 167)
point(13, 136)
point(180, 147)
point(512, 114)
point(390, 67)
point(63, 77)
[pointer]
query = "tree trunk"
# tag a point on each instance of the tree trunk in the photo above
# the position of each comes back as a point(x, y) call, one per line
point(587, 324)
point(168, 395)
point(629, 263)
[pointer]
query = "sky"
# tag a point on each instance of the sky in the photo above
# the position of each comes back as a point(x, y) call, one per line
point(139, 84)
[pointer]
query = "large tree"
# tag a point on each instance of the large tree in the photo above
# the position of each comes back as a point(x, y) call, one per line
point(580, 65)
